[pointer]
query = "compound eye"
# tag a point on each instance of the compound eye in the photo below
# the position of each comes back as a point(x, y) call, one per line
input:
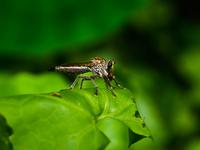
point(110, 64)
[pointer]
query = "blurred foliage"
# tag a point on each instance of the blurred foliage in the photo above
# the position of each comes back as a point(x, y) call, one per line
point(43, 27)
point(27, 83)
point(155, 44)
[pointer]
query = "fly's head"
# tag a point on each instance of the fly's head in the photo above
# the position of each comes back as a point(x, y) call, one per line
point(110, 66)
point(110, 69)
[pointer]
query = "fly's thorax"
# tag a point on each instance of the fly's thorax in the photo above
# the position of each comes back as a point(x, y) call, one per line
point(98, 60)
point(102, 73)
point(100, 69)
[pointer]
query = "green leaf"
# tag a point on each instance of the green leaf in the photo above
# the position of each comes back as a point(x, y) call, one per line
point(116, 131)
point(5, 132)
point(68, 122)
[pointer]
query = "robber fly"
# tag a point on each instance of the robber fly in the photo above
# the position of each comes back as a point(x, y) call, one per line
point(98, 66)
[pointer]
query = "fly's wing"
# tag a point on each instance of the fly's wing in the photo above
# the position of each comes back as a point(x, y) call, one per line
point(73, 68)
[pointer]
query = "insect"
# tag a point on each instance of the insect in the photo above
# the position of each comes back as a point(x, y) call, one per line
point(98, 66)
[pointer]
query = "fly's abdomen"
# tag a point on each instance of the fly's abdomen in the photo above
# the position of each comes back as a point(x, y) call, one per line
point(72, 69)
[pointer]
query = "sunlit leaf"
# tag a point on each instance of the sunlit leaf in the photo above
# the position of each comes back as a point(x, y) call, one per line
point(68, 122)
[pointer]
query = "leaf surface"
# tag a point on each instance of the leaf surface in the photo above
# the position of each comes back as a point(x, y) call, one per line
point(68, 122)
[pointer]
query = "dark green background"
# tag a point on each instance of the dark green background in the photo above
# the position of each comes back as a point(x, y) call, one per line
point(155, 44)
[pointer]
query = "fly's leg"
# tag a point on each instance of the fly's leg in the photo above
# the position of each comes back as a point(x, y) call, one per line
point(111, 87)
point(81, 83)
point(112, 77)
point(85, 78)
point(91, 78)
point(118, 84)
point(74, 83)
point(96, 91)
point(95, 77)
point(112, 91)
